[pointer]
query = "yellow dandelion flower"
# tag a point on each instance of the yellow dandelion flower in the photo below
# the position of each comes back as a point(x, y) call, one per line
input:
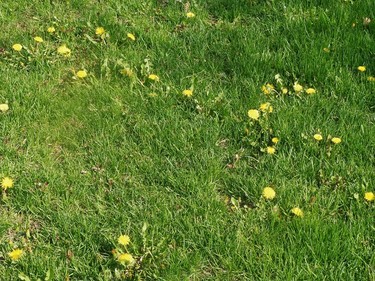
point(125, 258)
point(297, 212)
point(127, 72)
point(187, 93)
point(38, 39)
point(275, 140)
point(371, 78)
point(266, 107)
point(336, 140)
point(270, 150)
point(4, 107)
point(17, 47)
point(123, 240)
point(297, 87)
point(361, 68)
point(310, 91)
point(51, 29)
point(6, 183)
point(190, 15)
point(153, 77)
point(15, 254)
point(99, 31)
point(64, 50)
point(318, 137)
point(131, 36)
point(81, 74)
point(369, 196)
point(284, 90)
point(326, 50)
point(267, 89)
point(269, 193)
point(253, 114)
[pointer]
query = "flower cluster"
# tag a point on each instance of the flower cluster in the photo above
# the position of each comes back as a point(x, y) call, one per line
point(283, 89)
point(269, 193)
point(121, 254)
point(261, 114)
point(363, 69)
point(258, 133)
point(318, 137)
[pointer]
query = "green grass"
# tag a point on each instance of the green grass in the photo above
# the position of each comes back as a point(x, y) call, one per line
point(98, 157)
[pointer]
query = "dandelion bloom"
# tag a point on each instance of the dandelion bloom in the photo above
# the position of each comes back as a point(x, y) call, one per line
point(253, 114)
point(99, 31)
point(369, 196)
point(318, 137)
point(310, 91)
point(123, 240)
point(297, 212)
point(64, 50)
point(4, 107)
point(336, 140)
point(17, 47)
point(266, 107)
point(7, 183)
point(190, 15)
point(81, 74)
point(270, 150)
point(51, 29)
point(361, 68)
point(187, 93)
point(267, 89)
point(38, 39)
point(297, 87)
point(269, 193)
point(125, 258)
point(275, 140)
point(131, 36)
point(284, 90)
point(153, 77)
point(371, 78)
point(127, 72)
point(15, 254)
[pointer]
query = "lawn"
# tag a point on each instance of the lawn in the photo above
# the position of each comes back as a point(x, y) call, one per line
point(187, 140)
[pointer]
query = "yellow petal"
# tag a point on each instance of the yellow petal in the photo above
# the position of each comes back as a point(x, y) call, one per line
point(131, 36)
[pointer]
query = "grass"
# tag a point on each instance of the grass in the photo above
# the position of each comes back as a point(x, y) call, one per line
point(112, 154)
